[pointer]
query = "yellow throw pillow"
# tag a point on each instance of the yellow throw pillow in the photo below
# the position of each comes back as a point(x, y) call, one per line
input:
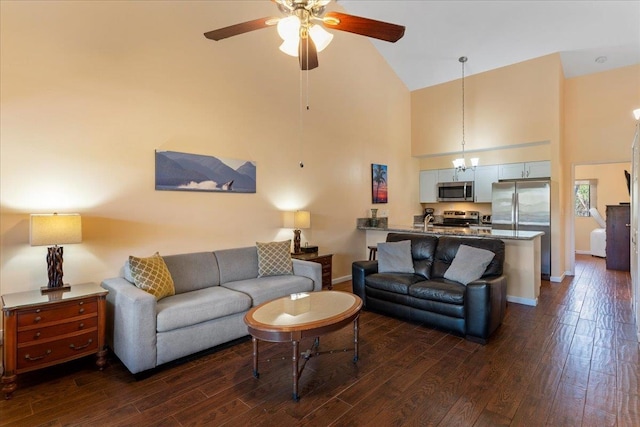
point(152, 275)
point(274, 258)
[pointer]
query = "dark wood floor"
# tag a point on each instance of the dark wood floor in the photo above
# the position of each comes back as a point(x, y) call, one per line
point(572, 360)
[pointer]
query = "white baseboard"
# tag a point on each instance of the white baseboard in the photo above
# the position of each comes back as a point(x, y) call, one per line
point(524, 301)
point(579, 252)
point(557, 279)
point(340, 279)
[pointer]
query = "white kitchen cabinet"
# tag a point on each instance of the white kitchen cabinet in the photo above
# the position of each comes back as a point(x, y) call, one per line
point(467, 175)
point(429, 186)
point(527, 170)
point(537, 169)
point(485, 176)
point(447, 175)
point(450, 175)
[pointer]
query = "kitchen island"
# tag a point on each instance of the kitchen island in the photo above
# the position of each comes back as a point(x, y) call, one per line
point(522, 254)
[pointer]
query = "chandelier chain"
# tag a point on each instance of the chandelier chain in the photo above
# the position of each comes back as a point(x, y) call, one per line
point(463, 59)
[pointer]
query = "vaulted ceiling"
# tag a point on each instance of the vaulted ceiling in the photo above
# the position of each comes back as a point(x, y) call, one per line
point(495, 34)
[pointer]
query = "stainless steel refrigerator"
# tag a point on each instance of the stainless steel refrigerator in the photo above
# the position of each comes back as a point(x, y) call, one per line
point(524, 206)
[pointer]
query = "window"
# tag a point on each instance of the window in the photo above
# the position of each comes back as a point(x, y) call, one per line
point(584, 196)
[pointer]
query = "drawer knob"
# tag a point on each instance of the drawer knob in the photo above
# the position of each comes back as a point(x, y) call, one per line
point(81, 326)
point(37, 335)
point(80, 347)
point(37, 319)
point(81, 310)
point(46, 353)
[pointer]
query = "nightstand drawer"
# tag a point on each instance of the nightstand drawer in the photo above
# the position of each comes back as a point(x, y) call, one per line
point(46, 332)
point(38, 355)
point(325, 261)
point(40, 316)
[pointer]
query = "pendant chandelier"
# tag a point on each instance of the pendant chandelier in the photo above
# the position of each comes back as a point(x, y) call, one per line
point(460, 164)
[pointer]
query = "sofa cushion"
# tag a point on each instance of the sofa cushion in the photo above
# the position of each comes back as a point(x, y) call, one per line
point(440, 290)
point(469, 264)
point(448, 248)
point(395, 257)
point(271, 287)
point(152, 275)
point(199, 306)
point(194, 271)
point(274, 258)
point(423, 250)
point(392, 282)
point(237, 264)
point(442, 308)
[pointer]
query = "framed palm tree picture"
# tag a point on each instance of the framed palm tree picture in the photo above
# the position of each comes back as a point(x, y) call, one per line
point(379, 193)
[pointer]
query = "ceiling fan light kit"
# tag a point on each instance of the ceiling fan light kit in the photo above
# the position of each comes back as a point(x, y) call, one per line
point(302, 29)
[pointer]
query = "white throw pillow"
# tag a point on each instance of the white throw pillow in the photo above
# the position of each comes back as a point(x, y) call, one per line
point(395, 257)
point(469, 264)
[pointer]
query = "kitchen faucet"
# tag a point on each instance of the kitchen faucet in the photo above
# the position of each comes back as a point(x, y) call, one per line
point(428, 219)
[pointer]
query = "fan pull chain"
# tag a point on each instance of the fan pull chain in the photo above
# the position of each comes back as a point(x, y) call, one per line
point(304, 98)
point(300, 118)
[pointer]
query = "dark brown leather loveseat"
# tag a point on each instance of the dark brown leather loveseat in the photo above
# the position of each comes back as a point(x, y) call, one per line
point(474, 311)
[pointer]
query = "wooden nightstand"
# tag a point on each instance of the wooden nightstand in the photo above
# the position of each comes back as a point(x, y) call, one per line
point(324, 260)
point(43, 330)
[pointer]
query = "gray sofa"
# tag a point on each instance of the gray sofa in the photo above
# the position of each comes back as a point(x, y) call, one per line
point(214, 290)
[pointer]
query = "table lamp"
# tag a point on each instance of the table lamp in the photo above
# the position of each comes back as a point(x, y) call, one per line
point(55, 229)
point(297, 221)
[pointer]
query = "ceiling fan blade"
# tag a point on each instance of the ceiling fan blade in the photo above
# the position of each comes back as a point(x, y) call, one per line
point(363, 26)
point(307, 54)
point(245, 27)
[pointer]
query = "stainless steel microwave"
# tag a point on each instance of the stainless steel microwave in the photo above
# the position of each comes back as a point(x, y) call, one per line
point(459, 191)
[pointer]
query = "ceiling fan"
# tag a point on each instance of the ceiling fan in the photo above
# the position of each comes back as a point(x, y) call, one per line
point(302, 29)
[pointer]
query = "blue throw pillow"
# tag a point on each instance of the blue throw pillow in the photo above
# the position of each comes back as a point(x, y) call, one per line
point(395, 257)
point(469, 264)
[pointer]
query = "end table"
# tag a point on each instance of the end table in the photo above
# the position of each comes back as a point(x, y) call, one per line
point(324, 260)
point(45, 329)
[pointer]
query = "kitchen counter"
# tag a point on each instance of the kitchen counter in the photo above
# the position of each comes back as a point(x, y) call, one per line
point(460, 231)
point(522, 264)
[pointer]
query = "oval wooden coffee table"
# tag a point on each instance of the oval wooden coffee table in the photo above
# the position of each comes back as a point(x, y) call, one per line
point(292, 318)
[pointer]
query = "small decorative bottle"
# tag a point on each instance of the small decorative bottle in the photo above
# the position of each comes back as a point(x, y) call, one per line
point(374, 217)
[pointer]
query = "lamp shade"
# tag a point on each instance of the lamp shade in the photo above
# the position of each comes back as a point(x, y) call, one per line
point(320, 37)
point(636, 113)
point(290, 47)
point(302, 219)
point(55, 229)
point(289, 28)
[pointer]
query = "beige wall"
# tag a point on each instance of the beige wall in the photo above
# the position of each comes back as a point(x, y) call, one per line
point(527, 112)
point(91, 89)
point(611, 189)
point(512, 114)
point(504, 108)
point(599, 124)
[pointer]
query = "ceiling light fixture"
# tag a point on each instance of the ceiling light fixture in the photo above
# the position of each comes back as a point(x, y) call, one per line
point(460, 164)
point(296, 27)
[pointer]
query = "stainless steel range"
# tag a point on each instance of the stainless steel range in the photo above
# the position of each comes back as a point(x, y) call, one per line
point(460, 219)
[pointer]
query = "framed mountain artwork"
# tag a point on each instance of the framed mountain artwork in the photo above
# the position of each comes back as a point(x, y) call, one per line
point(194, 172)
